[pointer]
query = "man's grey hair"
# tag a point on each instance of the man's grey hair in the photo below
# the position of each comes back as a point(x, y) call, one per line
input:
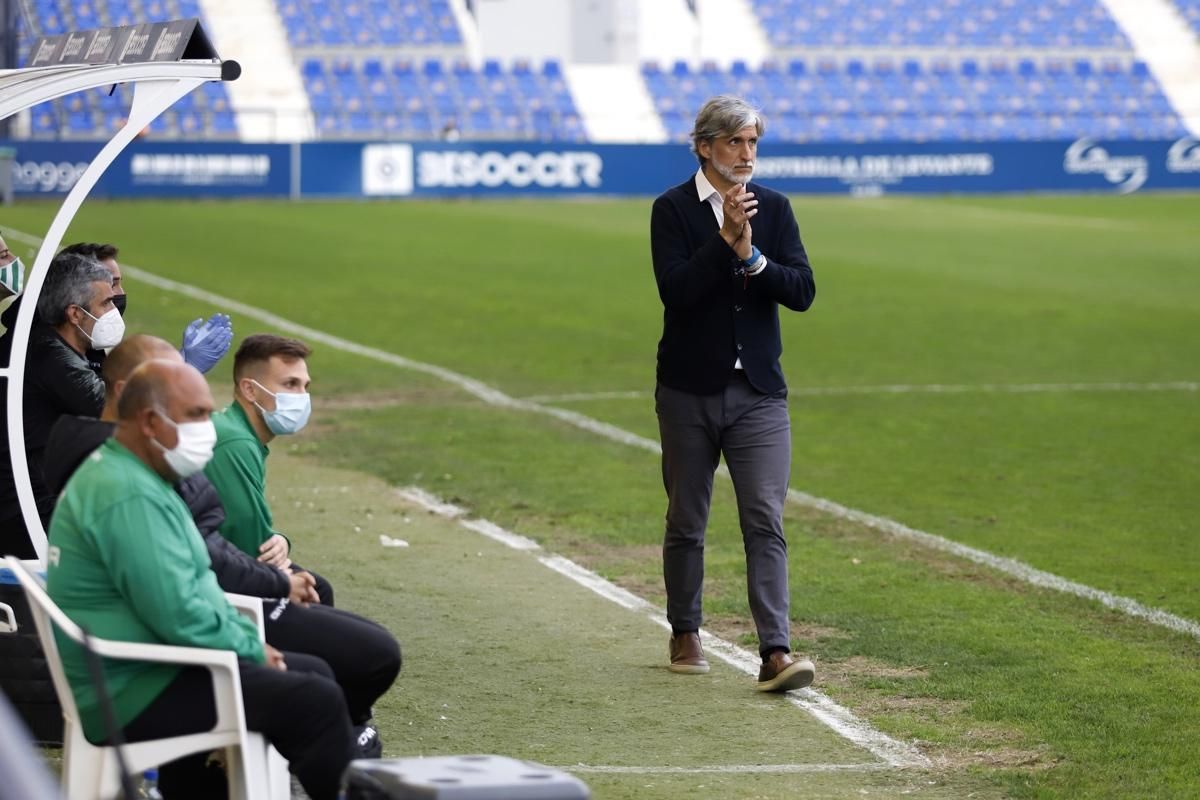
point(69, 283)
point(724, 115)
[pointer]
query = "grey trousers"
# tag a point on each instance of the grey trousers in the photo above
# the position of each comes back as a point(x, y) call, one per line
point(753, 432)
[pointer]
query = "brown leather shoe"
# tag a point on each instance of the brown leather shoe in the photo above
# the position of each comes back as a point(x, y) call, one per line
point(687, 656)
point(782, 673)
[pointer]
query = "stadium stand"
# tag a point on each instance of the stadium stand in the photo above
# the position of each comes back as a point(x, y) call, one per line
point(939, 24)
point(371, 97)
point(933, 70)
point(98, 114)
point(372, 23)
point(1191, 12)
point(939, 99)
point(397, 68)
point(841, 70)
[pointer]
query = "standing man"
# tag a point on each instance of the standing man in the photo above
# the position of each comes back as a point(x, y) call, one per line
point(720, 388)
point(270, 398)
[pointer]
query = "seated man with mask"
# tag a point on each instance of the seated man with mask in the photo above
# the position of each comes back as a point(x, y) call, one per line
point(364, 657)
point(126, 562)
point(205, 342)
point(270, 398)
point(12, 272)
point(76, 313)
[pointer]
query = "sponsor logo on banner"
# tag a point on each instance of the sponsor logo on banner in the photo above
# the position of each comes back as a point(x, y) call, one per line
point(875, 170)
point(1184, 155)
point(1127, 173)
point(490, 169)
point(46, 176)
point(387, 169)
point(200, 169)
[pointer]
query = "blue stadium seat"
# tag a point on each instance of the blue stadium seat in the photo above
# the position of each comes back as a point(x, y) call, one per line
point(941, 24)
point(97, 114)
point(943, 99)
point(371, 98)
point(1190, 9)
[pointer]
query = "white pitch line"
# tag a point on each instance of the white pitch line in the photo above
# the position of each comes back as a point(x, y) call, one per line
point(506, 538)
point(904, 388)
point(429, 501)
point(1010, 566)
point(727, 769)
point(498, 398)
point(841, 720)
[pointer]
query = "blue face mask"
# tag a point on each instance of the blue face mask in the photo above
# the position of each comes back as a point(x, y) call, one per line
point(291, 413)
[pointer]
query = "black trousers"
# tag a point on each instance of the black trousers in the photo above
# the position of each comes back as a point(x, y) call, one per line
point(300, 711)
point(364, 656)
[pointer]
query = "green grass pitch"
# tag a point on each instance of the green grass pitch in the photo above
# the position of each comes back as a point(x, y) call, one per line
point(1025, 310)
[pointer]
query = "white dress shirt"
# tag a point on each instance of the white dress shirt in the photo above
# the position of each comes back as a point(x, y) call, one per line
point(706, 191)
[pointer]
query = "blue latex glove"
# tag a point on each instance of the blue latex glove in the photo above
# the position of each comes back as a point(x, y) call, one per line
point(205, 341)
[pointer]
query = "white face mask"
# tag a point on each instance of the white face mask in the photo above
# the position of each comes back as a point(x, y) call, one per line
point(291, 413)
point(193, 450)
point(108, 330)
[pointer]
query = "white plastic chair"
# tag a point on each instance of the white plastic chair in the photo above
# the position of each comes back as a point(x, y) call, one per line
point(90, 771)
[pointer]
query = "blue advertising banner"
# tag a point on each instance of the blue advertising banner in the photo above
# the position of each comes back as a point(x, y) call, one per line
point(155, 169)
point(444, 169)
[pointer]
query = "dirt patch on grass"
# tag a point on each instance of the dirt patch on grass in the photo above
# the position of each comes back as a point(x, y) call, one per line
point(863, 667)
point(952, 759)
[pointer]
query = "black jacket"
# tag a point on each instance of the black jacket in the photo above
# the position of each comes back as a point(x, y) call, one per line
point(74, 438)
point(58, 381)
point(712, 313)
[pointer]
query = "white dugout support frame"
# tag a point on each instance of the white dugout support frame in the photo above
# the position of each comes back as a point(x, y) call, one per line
point(157, 86)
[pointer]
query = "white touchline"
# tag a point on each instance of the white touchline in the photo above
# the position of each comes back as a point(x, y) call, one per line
point(498, 398)
point(893, 752)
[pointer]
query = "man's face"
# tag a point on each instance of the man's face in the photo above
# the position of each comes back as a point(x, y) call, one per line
point(187, 399)
point(279, 375)
point(112, 266)
point(100, 304)
point(732, 157)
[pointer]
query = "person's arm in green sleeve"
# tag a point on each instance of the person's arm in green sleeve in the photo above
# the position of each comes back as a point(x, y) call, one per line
point(237, 472)
point(153, 563)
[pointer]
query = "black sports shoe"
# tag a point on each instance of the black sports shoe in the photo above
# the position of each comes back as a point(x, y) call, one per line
point(367, 743)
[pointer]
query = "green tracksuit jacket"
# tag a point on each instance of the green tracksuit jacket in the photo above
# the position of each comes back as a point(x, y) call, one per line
point(127, 563)
point(238, 471)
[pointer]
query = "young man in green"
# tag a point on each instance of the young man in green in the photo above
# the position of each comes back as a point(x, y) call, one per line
point(270, 392)
point(126, 562)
